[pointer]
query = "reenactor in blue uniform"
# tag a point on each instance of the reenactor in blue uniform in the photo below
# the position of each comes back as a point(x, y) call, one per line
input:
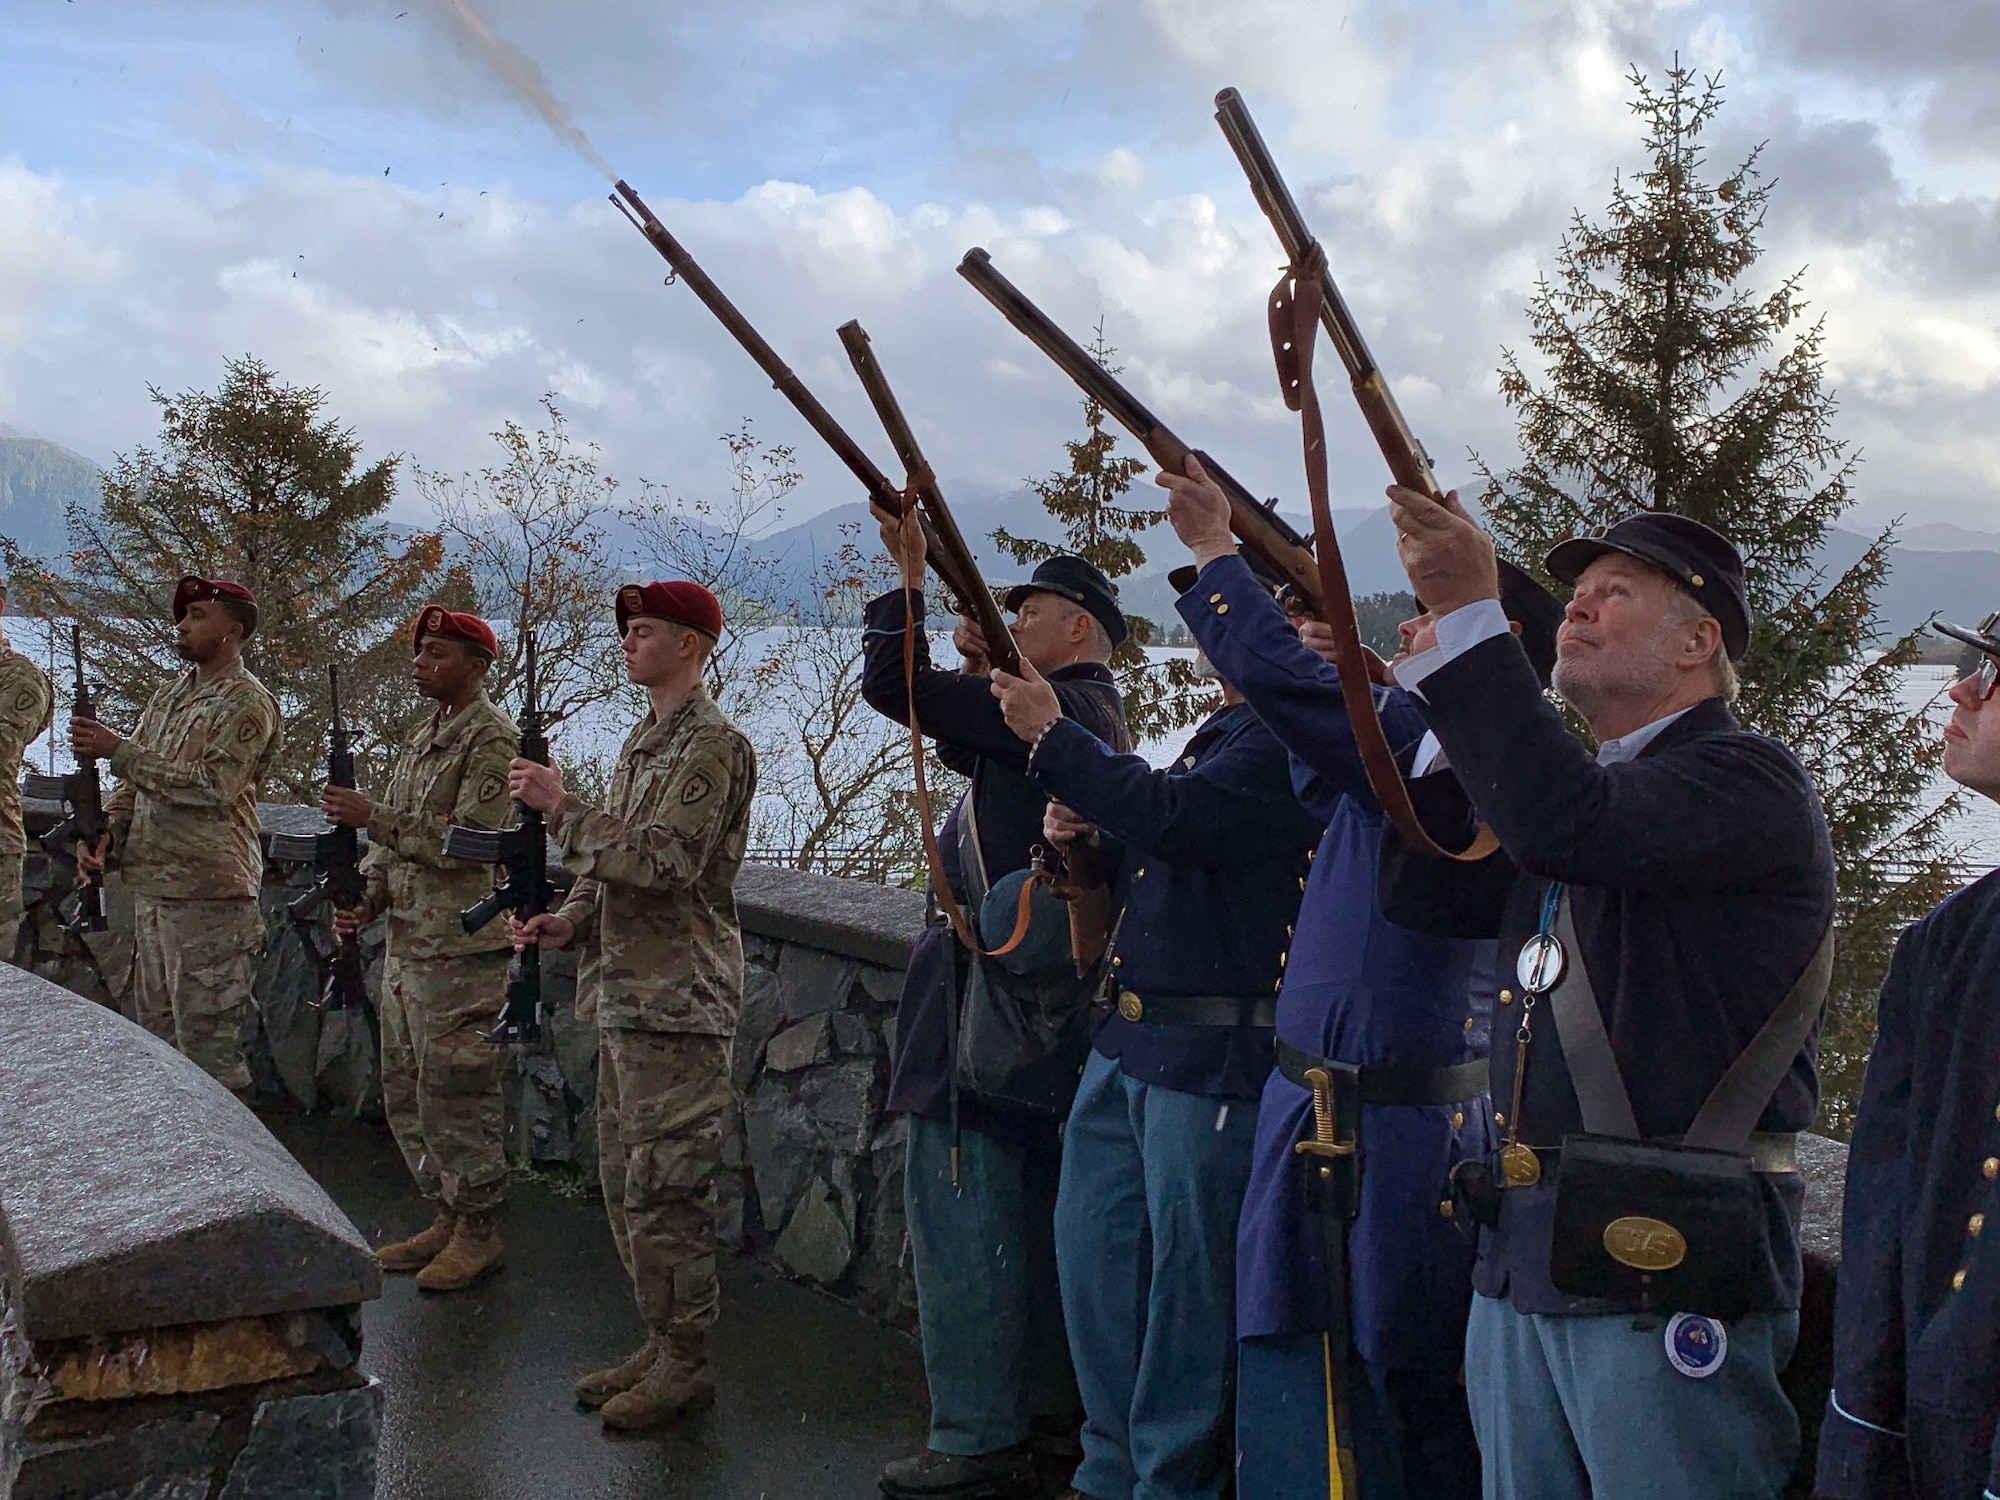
point(1916, 1377)
point(1639, 1271)
point(1212, 851)
point(981, 1172)
point(1352, 1288)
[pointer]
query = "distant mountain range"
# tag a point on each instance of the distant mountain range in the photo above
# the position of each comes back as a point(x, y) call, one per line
point(1936, 568)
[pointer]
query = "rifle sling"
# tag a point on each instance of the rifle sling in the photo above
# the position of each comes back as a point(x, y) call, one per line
point(1295, 319)
point(933, 855)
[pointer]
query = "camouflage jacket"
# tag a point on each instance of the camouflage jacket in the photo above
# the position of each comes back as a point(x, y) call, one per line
point(184, 816)
point(450, 772)
point(25, 701)
point(655, 895)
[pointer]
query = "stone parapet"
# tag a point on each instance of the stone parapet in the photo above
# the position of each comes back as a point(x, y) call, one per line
point(179, 1300)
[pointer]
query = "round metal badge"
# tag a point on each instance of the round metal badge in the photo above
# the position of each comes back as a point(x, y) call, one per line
point(1696, 1346)
point(1541, 964)
point(1519, 1165)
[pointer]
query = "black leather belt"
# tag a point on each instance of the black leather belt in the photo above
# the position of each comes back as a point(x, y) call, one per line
point(1197, 1010)
point(1389, 1085)
point(1773, 1153)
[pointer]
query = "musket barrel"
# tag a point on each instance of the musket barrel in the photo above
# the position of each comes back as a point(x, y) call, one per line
point(786, 383)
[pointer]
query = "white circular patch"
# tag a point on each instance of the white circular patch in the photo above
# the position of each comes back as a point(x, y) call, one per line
point(1696, 1346)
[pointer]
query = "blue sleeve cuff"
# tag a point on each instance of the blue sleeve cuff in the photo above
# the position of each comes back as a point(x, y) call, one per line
point(1457, 633)
point(1860, 1459)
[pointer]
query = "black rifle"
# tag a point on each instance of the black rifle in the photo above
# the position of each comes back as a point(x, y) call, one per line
point(521, 854)
point(82, 793)
point(336, 853)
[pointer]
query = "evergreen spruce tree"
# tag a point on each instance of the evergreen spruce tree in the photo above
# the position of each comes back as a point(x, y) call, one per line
point(255, 483)
point(1666, 382)
point(1085, 498)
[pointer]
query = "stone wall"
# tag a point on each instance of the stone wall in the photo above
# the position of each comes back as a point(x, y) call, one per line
point(814, 1181)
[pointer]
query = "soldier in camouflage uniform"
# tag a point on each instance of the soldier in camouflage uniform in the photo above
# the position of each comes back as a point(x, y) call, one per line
point(183, 829)
point(441, 988)
point(655, 901)
point(25, 700)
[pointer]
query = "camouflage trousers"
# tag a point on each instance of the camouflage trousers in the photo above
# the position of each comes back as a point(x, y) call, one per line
point(10, 905)
point(660, 1102)
point(192, 964)
point(441, 1079)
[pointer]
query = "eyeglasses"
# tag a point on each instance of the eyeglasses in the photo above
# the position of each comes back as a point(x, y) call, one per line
point(1987, 676)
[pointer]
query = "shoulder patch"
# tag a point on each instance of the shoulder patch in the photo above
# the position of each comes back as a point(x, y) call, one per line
point(24, 701)
point(491, 785)
point(696, 787)
point(248, 730)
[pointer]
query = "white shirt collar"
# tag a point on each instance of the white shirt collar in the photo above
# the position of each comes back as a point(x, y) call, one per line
point(1627, 747)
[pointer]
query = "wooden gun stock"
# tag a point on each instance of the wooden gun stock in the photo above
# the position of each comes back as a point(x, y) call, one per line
point(1278, 551)
point(944, 544)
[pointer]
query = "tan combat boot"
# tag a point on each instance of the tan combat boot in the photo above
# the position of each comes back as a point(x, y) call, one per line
point(475, 1249)
point(420, 1249)
point(681, 1381)
point(599, 1386)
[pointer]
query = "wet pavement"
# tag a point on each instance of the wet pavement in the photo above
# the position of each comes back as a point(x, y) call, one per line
point(812, 1397)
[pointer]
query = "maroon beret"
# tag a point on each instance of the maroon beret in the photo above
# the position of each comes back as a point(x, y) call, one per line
point(197, 590)
point(450, 625)
point(682, 602)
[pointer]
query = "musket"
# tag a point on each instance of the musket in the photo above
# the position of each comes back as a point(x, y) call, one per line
point(1306, 296)
point(952, 556)
point(963, 582)
point(520, 856)
point(1408, 462)
point(1276, 548)
point(335, 852)
point(82, 793)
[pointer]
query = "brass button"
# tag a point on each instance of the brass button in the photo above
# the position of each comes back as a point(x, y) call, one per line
point(1215, 598)
point(1288, 929)
point(1277, 986)
point(1446, 1208)
point(1130, 1006)
point(1468, 1023)
point(1991, 1167)
point(1996, 1111)
point(1958, 1281)
point(1975, 1225)
point(1302, 882)
point(1506, 997)
point(1694, 580)
point(1222, 609)
point(1498, 1118)
point(1282, 957)
point(1311, 855)
point(1140, 873)
point(1458, 1120)
point(1118, 963)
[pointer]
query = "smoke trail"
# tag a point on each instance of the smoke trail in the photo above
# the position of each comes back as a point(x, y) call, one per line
point(525, 75)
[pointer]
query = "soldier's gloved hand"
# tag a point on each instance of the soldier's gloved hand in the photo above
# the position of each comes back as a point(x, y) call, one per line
point(1028, 702)
point(346, 807)
point(90, 857)
point(534, 785)
point(90, 740)
point(349, 920)
point(1198, 510)
point(545, 931)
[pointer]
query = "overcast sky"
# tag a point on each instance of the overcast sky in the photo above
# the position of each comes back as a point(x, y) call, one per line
point(342, 190)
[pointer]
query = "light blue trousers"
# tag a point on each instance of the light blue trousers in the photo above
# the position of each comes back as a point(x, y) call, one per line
point(984, 1254)
point(1571, 1408)
point(1152, 1185)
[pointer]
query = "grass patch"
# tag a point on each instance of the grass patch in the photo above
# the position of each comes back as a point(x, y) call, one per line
point(565, 1179)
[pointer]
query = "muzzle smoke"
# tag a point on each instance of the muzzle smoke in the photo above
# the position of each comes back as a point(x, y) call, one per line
point(524, 76)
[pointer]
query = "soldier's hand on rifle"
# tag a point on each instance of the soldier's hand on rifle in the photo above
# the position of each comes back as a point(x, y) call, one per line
point(90, 740)
point(903, 539)
point(349, 920)
point(545, 931)
point(971, 643)
point(1198, 511)
point(90, 857)
point(534, 785)
point(1450, 561)
point(1028, 702)
point(1063, 827)
point(346, 807)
